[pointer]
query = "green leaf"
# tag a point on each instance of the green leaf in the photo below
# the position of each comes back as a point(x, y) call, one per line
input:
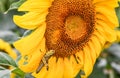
point(5, 59)
point(15, 5)
point(78, 76)
point(18, 72)
point(11, 1)
point(118, 12)
point(3, 5)
point(80, 73)
point(98, 73)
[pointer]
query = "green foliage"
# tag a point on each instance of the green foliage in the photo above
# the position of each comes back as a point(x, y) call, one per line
point(4, 5)
point(7, 5)
point(15, 5)
point(5, 59)
point(97, 73)
point(118, 12)
point(19, 72)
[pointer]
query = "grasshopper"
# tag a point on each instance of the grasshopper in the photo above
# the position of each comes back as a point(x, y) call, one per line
point(44, 60)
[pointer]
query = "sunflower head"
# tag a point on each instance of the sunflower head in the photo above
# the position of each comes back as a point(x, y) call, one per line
point(76, 29)
point(69, 26)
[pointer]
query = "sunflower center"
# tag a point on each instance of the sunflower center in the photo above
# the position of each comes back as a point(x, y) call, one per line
point(74, 26)
point(70, 24)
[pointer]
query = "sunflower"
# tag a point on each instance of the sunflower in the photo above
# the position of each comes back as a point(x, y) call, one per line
point(76, 30)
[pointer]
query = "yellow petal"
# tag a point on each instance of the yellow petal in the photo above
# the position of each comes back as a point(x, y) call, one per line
point(59, 68)
point(30, 62)
point(80, 57)
point(105, 19)
point(12, 75)
point(76, 67)
point(108, 32)
point(71, 67)
point(35, 5)
point(50, 73)
point(41, 74)
point(88, 65)
point(56, 71)
point(93, 52)
point(98, 1)
point(100, 37)
point(96, 41)
point(32, 42)
point(108, 13)
point(68, 70)
point(31, 20)
point(106, 3)
point(52, 68)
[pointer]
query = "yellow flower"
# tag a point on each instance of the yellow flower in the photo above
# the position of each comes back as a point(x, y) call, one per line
point(76, 29)
point(5, 47)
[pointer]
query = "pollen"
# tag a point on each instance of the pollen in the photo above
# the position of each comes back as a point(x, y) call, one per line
point(70, 24)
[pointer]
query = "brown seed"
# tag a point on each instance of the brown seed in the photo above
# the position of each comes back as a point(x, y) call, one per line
point(70, 24)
